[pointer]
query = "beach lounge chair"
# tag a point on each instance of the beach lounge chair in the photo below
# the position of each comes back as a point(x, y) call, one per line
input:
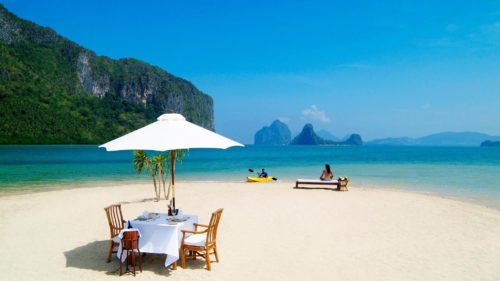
point(116, 224)
point(340, 184)
point(201, 243)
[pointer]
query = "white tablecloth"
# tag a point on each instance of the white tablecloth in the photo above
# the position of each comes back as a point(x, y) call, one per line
point(160, 237)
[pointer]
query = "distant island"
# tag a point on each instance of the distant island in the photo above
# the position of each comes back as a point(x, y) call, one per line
point(490, 143)
point(53, 91)
point(439, 139)
point(329, 136)
point(309, 137)
point(277, 133)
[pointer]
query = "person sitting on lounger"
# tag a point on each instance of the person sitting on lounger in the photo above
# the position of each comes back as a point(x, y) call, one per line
point(262, 174)
point(327, 174)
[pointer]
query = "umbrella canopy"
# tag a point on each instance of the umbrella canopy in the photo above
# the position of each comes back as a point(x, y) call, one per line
point(170, 132)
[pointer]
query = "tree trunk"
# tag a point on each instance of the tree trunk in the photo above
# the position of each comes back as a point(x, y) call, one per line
point(158, 195)
point(163, 183)
point(169, 189)
point(156, 189)
point(172, 174)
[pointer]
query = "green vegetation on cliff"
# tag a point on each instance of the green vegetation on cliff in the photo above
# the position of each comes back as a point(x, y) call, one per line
point(55, 91)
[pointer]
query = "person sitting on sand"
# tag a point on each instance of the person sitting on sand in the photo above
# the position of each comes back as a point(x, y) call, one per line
point(262, 174)
point(327, 174)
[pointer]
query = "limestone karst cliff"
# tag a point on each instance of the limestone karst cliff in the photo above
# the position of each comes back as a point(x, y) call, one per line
point(277, 133)
point(54, 91)
point(308, 137)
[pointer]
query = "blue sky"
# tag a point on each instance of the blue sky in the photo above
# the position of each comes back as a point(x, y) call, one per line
point(378, 68)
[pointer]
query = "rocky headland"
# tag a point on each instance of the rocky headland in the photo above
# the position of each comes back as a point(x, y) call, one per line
point(53, 90)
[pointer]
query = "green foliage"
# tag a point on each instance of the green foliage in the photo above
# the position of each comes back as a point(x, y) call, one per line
point(140, 160)
point(158, 166)
point(159, 163)
point(42, 100)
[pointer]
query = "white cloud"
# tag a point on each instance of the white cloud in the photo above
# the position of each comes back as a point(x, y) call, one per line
point(314, 113)
point(284, 119)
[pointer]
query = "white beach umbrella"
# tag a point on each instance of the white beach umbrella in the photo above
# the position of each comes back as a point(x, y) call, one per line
point(170, 132)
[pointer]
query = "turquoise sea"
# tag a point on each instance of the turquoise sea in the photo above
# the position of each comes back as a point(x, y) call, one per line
point(467, 172)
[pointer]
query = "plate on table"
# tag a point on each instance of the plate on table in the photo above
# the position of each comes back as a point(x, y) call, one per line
point(151, 216)
point(173, 219)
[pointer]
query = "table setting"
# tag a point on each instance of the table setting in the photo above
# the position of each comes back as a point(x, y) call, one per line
point(161, 233)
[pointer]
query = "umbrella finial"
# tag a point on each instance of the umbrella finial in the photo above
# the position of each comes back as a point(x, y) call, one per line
point(171, 117)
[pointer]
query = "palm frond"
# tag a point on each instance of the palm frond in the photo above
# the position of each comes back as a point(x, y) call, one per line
point(140, 160)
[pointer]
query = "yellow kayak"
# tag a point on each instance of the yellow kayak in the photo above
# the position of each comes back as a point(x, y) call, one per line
point(257, 179)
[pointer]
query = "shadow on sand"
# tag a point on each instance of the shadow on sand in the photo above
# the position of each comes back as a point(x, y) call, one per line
point(92, 256)
point(315, 188)
point(145, 200)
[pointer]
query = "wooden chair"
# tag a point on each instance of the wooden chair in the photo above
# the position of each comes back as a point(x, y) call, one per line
point(116, 224)
point(130, 246)
point(201, 243)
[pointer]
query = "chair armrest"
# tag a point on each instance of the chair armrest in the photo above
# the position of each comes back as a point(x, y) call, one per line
point(194, 232)
point(199, 224)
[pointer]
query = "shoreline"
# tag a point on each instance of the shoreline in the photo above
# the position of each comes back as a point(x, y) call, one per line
point(90, 184)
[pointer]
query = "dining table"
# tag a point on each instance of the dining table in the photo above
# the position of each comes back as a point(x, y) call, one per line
point(161, 234)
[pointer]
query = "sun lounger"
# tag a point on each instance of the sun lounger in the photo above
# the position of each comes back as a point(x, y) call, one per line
point(340, 184)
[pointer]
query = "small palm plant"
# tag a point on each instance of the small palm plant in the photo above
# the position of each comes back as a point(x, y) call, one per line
point(158, 167)
point(141, 161)
point(159, 163)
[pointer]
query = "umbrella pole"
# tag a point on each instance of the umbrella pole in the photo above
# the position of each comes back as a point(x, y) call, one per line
point(172, 159)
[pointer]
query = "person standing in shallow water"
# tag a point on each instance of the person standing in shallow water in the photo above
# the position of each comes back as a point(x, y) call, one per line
point(327, 174)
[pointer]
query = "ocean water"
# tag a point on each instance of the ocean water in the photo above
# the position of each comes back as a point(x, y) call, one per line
point(468, 172)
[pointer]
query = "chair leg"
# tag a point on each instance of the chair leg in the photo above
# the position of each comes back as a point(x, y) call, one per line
point(140, 260)
point(183, 257)
point(132, 260)
point(110, 251)
point(121, 263)
point(207, 258)
point(216, 254)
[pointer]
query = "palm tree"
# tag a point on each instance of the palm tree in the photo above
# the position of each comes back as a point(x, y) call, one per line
point(142, 160)
point(159, 162)
point(158, 167)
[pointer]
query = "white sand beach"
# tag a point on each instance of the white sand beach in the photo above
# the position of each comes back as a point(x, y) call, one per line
point(267, 232)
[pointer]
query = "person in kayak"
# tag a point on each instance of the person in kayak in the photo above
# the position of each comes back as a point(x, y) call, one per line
point(262, 174)
point(327, 174)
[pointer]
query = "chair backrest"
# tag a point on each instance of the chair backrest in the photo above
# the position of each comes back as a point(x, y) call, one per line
point(213, 226)
point(130, 240)
point(115, 219)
